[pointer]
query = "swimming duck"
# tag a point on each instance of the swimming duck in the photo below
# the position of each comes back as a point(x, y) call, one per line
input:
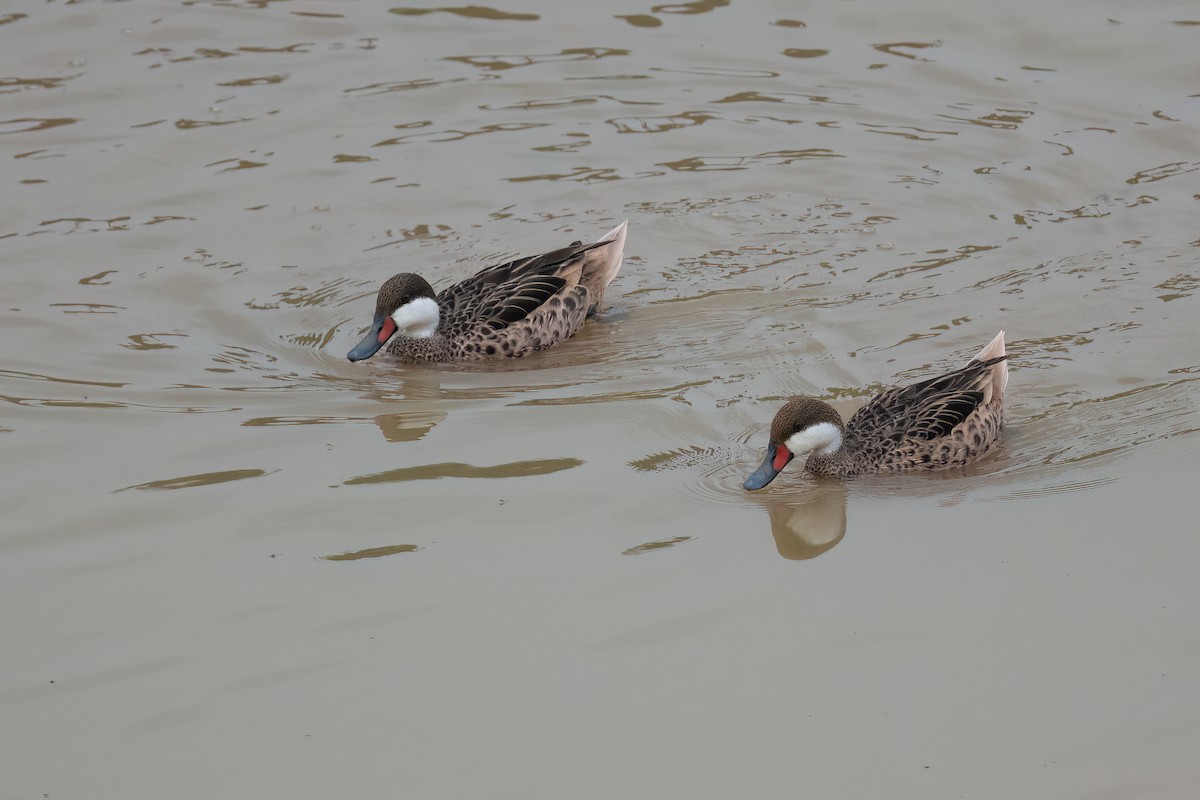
point(947, 421)
point(505, 311)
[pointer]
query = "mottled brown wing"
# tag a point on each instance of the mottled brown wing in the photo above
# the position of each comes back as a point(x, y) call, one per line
point(505, 293)
point(924, 410)
point(942, 414)
point(518, 299)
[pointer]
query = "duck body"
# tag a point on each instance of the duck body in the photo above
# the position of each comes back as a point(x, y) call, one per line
point(506, 311)
point(944, 422)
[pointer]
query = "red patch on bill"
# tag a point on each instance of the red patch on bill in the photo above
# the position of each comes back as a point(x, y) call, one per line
point(782, 457)
point(389, 327)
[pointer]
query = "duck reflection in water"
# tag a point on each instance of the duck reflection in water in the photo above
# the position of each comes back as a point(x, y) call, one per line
point(415, 401)
point(809, 523)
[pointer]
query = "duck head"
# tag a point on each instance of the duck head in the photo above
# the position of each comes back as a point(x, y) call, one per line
point(406, 305)
point(804, 425)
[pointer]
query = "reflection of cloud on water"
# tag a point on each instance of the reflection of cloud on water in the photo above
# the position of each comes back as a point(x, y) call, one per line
point(424, 472)
point(650, 547)
point(202, 479)
point(373, 552)
point(401, 426)
point(807, 523)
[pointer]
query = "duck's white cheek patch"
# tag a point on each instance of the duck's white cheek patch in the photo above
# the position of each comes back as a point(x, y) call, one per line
point(824, 438)
point(418, 317)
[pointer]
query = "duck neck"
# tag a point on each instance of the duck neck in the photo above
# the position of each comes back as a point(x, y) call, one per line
point(824, 442)
point(414, 349)
point(837, 464)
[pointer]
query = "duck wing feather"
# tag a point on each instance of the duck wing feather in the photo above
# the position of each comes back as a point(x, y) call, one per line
point(507, 293)
point(926, 410)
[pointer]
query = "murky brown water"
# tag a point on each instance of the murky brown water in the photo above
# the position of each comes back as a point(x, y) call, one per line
point(233, 564)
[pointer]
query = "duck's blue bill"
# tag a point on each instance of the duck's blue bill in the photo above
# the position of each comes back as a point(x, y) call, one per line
point(375, 338)
point(776, 459)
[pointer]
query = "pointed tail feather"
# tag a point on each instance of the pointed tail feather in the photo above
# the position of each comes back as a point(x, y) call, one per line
point(616, 233)
point(995, 349)
point(602, 264)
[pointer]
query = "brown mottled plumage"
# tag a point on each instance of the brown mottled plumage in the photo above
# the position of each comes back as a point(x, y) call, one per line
point(947, 421)
point(505, 311)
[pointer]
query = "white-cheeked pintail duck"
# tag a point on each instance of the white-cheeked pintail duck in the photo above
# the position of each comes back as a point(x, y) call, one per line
point(947, 421)
point(505, 311)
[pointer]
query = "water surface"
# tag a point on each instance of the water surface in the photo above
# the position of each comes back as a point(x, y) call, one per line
point(235, 564)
